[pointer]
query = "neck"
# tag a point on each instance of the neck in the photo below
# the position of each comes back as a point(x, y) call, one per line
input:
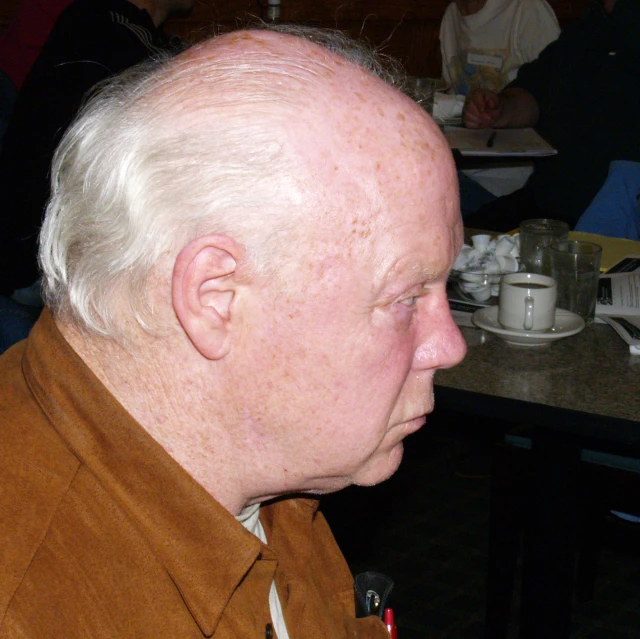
point(167, 400)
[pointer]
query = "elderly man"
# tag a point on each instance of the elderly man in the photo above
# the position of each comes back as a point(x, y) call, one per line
point(245, 260)
point(582, 94)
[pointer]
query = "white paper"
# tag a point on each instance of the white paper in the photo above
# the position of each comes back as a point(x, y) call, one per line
point(506, 142)
point(482, 60)
point(618, 302)
point(619, 293)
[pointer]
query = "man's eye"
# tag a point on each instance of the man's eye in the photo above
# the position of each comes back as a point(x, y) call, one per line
point(410, 301)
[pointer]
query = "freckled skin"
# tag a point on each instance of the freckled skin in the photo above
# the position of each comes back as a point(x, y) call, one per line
point(353, 367)
point(315, 384)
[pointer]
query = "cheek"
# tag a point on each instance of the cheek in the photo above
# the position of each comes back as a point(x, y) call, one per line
point(333, 364)
point(396, 335)
point(387, 362)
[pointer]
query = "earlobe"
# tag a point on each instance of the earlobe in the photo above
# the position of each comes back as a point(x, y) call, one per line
point(203, 291)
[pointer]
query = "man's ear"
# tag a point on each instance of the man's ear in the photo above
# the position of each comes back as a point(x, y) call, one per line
point(203, 288)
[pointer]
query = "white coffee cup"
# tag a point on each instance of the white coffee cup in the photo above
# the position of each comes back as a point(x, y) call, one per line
point(527, 302)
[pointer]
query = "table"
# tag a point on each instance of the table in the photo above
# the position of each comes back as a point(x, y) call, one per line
point(582, 388)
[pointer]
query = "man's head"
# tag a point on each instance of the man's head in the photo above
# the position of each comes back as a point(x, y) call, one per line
point(269, 227)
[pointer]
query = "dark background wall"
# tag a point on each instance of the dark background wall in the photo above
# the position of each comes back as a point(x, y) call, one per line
point(406, 29)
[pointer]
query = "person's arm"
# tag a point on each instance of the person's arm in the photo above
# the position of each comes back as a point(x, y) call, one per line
point(514, 108)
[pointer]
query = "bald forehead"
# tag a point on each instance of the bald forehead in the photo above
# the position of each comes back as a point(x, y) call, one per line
point(363, 142)
point(259, 41)
point(317, 79)
point(362, 138)
point(296, 56)
point(331, 106)
point(288, 77)
point(356, 140)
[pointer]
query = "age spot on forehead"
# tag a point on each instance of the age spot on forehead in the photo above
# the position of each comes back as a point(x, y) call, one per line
point(240, 36)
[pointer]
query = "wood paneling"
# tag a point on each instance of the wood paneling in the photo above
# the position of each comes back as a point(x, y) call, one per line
point(406, 29)
point(8, 9)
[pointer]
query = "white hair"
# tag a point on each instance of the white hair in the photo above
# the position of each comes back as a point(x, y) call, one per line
point(169, 151)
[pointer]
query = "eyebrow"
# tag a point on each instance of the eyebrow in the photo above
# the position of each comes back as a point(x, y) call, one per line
point(425, 273)
point(419, 273)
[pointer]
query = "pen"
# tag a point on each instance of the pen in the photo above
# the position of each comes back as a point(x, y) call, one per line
point(390, 623)
point(492, 139)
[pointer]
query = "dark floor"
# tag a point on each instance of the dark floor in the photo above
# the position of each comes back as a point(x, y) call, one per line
point(427, 526)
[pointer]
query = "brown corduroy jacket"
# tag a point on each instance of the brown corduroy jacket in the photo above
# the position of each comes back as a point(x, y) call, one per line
point(103, 534)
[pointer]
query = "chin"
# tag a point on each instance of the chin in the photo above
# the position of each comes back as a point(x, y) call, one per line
point(376, 469)
point(380, 467)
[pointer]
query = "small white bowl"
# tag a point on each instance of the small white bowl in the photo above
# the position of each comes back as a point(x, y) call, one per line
point(478, 286)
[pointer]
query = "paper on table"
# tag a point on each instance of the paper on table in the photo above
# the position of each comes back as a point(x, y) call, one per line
point(618, 302)
point(506, 142)
point(619, 293)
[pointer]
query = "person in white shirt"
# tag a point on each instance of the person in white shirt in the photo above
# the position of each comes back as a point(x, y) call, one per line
point(484, 42)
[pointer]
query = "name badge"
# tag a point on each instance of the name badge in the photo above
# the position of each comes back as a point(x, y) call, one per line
point(481, 60)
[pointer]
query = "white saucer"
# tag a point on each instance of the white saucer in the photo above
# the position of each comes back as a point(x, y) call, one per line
point(565, 325)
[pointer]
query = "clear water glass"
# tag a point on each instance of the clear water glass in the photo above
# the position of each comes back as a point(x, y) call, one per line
point(575, 266)
point(535, 238)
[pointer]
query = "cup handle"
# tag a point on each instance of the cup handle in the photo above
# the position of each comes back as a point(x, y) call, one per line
point(528, 313)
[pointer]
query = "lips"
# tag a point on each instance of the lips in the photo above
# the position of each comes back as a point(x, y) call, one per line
point(415, 423)
point(420, 414)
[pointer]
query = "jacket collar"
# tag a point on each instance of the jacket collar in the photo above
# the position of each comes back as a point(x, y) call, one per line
point(191, 533)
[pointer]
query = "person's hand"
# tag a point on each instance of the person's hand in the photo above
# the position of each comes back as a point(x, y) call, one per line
point(482, 109)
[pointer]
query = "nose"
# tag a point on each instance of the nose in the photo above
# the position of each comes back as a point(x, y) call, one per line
point(440, 343)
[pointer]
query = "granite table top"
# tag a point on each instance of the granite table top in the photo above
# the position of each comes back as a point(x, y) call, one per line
point(590, 378)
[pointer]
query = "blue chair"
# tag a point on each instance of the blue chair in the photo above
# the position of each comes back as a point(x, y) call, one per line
point(16, 321)
point(615, 211)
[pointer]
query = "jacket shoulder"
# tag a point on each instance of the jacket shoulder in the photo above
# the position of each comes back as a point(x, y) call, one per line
point(36, 471)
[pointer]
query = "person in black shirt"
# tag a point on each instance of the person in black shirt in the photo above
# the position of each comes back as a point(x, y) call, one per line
point(91, 41)
point(582, 95)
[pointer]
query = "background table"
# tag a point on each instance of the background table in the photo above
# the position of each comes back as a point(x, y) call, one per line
point(580, 391)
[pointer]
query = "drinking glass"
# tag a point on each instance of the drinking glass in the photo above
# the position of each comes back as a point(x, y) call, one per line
point(575, 266)
point(535, 238)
